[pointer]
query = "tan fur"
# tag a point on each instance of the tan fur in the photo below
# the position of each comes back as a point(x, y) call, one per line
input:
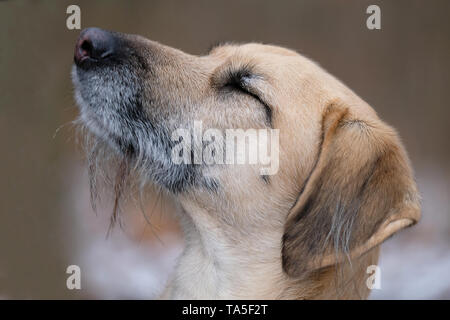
point(281, 239)
point(250, 262)
point(234, 253)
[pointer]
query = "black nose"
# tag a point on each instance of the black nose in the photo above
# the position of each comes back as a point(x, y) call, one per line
point(94, 44)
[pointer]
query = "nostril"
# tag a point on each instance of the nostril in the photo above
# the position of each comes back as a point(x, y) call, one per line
point(94, 45)
point(83, 50)
point(86, 48)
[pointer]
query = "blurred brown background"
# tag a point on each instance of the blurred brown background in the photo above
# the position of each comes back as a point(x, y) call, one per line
point(46, 222)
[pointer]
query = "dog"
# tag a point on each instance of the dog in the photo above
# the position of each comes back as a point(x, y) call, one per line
point(343, 183)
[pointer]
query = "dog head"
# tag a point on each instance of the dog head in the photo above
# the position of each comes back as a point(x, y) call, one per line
point(342, 183)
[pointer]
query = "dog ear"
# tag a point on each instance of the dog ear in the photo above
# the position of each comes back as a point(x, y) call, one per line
point(360, 192)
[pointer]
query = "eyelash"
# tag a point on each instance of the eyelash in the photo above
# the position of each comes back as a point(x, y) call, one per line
point(234, 82)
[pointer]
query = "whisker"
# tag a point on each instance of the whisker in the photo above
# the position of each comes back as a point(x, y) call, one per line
point(62, 126)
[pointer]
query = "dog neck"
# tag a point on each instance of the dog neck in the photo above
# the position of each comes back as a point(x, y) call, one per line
point(219, 262)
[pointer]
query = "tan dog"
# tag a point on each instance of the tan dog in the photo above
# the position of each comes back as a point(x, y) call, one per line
point(344, 184)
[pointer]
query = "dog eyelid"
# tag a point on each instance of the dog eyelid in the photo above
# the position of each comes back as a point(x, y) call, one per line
point(241, 81)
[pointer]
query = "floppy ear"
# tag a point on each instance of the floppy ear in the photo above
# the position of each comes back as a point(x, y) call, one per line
point(360, 192)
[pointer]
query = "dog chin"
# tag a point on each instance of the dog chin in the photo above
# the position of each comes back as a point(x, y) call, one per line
point(96, 126)
point(102, 134)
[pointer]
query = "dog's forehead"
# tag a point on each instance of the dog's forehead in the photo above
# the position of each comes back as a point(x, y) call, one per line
point(276, 65)
point(290, 79)
point(266, 49)
point(250, 49)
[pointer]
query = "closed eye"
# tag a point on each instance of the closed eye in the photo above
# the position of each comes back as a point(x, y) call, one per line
point(238, 81)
